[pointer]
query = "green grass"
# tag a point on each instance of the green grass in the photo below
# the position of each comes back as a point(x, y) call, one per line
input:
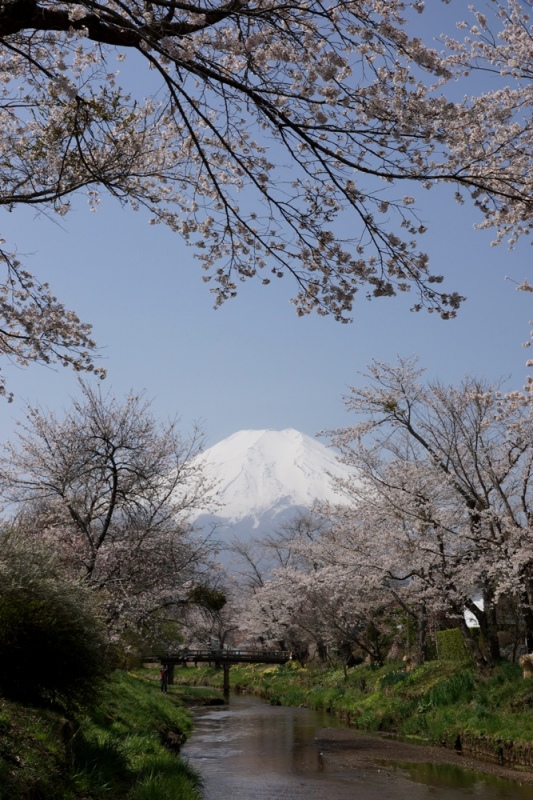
point(126, 747)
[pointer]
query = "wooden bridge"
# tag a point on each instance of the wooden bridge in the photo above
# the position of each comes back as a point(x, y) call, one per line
point(226, 656)
point(223, 657)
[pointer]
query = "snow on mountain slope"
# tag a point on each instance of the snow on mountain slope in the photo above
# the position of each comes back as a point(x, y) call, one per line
point(263, 473)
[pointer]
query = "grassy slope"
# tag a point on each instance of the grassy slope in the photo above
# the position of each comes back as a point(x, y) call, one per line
point(491, 714)
point(125, 747)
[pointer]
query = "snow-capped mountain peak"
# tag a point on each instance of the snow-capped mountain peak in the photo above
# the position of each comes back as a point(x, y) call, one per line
point(267, 472)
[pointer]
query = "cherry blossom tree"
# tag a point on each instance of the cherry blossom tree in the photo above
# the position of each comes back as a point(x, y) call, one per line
point(36, 328)
point(259, 132)
point(446, 492)
point(334, 611)
point(316, 601)
point(364, 567)
point(410, 559)
point(281, 614)
point(112, 489)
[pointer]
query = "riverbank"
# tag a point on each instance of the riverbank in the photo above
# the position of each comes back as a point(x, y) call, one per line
point(354, 750)
point(125, 746)
point(465, 717)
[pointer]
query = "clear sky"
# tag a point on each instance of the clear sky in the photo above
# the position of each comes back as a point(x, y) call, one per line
point(253, 363)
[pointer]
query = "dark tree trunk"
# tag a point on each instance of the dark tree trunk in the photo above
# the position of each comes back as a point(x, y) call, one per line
point(422, 640)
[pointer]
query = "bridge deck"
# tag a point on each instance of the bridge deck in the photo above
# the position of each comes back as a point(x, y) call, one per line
point(232, 656)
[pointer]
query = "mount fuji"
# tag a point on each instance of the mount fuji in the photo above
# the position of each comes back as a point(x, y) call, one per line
point(263, 477)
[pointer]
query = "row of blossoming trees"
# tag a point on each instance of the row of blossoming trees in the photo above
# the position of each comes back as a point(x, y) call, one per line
point(438, 524)
point(434, 523)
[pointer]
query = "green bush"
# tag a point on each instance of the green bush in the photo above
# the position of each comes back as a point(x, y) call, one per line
point(451, 646)
point(52, 650)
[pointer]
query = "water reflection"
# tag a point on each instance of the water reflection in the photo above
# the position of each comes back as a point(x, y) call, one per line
point(252, 751)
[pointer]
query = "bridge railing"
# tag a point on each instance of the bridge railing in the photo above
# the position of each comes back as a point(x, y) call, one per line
point(223, 656)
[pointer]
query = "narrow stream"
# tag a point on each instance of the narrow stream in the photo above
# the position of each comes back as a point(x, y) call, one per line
point(250, 750)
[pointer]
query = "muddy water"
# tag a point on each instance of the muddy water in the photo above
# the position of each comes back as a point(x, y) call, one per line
point(253, 751)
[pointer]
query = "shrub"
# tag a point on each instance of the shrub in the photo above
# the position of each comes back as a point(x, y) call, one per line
point(52, 649)
point(451, 646)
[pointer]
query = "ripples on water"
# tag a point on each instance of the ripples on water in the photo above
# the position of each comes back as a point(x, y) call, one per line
point(253, 751)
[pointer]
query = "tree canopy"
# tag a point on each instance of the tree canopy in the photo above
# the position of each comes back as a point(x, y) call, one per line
point(276, 138)
point(112, 491)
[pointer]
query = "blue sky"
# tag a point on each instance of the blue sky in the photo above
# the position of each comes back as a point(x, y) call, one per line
point(253, 363)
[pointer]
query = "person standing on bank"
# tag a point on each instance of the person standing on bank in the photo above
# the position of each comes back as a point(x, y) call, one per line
point(164, 679)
